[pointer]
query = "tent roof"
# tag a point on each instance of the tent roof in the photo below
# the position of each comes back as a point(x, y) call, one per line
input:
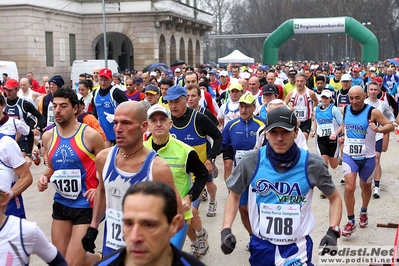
point(236, 57)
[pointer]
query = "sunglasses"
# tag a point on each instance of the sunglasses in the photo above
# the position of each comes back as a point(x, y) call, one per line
point(96, 72)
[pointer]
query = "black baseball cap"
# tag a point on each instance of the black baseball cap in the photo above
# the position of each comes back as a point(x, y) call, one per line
point(281, 117)
point(292, 72)
point(269, 89)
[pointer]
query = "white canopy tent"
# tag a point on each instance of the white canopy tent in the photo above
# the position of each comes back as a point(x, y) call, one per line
point(236, 57)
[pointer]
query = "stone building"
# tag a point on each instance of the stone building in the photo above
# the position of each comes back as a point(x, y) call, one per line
point(46, 36)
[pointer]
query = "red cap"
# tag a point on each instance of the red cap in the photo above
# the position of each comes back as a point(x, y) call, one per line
point(11, 84)
point(105, 72)
point(378, 80)
point(355, 69)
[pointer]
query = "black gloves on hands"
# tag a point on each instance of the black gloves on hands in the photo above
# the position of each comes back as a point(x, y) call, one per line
point(89, 238)
point(330, 239)
point(228, 241)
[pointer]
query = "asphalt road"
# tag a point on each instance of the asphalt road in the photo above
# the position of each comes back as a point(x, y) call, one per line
point(383, 210)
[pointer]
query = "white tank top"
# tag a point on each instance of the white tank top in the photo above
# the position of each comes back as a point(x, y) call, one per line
point(116, 183)
point(27, 97)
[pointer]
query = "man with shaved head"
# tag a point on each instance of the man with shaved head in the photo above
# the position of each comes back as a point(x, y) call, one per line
point(271, 79)
point(128, 162)
point(96, 78)
point(26, 92)
point(359, 127)
point(42, 88)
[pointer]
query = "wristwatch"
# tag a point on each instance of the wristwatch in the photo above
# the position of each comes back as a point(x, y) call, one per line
point(191, 197)
point(336, 230)
point(28, 155)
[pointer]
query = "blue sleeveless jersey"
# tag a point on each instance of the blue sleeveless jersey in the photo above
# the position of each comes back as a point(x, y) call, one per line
point(342, 99)
point(105, 104)
point(189, 135)
point(356, 125)
point(279, 204)
point(68, 154)
point(116, 183)
point(357, 128)
point(16, 111)
point(263, 112)
point(324, 116)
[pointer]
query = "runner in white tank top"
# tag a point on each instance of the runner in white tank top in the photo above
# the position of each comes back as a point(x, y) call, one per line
point(27, 93)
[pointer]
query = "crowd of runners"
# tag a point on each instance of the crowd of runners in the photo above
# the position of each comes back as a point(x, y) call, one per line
point(117, 144)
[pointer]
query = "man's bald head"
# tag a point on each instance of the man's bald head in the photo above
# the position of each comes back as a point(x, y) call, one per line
point(270, 78)
point(136, 110)
point(356, 90)
point(254, 80)
point(244, 83)
point(24, 84)
point(24, 80)
point(356, 97)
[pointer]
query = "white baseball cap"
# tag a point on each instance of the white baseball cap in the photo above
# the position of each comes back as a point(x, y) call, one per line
point(157, 108)
point(153, 73)
point(326, 93)
point(223, 74)
point(346, 77)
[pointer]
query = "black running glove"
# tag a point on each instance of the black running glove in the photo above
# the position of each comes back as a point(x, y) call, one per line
point(330, 239)
point(228, 241)
point(89, 238)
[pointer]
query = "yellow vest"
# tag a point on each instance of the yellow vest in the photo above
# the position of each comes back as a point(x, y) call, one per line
point(175, 153)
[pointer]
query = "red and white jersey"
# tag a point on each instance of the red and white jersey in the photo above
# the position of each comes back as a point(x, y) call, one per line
point(303, 105)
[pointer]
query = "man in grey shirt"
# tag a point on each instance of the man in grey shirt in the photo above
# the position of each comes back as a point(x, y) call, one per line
point(279, 179)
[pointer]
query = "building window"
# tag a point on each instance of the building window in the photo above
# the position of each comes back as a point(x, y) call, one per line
point(72, 48)
point(49, 49)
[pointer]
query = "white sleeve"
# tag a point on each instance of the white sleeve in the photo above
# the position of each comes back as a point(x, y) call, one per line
point(11, 153)
point(216, 106)
point(388, 112)
point(221, 111)
point(21, 127)
point(42, 247)
point(301, 140)
point(260, 137)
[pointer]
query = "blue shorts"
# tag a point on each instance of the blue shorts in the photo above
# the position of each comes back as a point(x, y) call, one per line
point(378, 145)
point(196, 203)
point(178, 239)
point(299, 253)
point(364, 167)
point(16, 207)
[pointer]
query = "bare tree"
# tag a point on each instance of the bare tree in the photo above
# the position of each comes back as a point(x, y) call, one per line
point(222, 19)
point(262, 16)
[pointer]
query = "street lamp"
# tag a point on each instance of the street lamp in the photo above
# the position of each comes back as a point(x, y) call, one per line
point(105, 36)
point(329, 47)
point(206, 57)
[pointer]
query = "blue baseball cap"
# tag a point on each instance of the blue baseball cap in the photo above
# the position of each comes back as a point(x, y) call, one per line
point(175, 92)
point(138, 80)
point(212, 72)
